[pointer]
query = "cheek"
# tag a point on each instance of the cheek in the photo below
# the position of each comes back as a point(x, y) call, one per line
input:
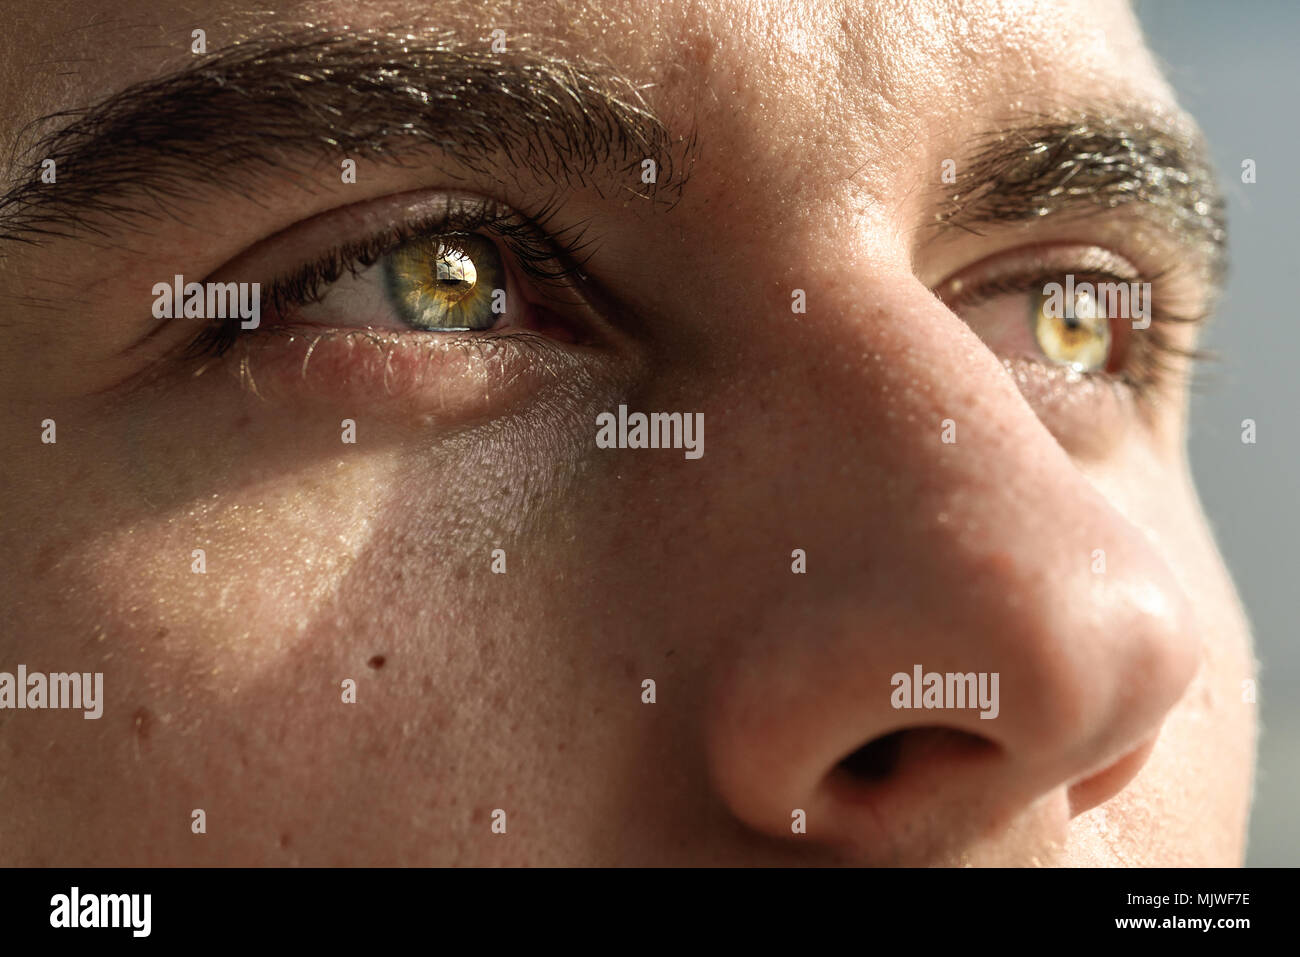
point(221, 546)
point(317, 565)
point(227, 538)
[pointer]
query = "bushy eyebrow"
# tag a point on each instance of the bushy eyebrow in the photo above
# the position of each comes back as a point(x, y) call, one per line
point(267, 105)
point(1038, 166)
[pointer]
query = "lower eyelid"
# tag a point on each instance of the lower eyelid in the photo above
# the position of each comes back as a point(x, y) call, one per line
point(1087, 412)
point(429, 380)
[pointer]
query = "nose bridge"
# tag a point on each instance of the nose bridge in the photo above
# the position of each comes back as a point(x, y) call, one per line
point(944, 529)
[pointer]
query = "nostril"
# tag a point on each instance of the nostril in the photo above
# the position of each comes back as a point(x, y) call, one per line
point(876, 759)
point(1100, 787)
point(892, 754)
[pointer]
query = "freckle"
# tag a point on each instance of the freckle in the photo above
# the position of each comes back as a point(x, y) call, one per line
point(142, 721)
point(242, 421)
point(285, 840)
point(461, 574)
point(426, 684)
point(161, 634)
point(561, 746)
point(377, 662)
point(478, 815)
point(670, 652)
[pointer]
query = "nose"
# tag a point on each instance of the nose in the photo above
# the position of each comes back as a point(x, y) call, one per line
point(954, 655)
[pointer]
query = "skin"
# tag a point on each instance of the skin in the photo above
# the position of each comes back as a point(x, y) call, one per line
point(1122, 737)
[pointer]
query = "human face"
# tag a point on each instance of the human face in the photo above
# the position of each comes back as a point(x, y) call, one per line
point(309, 634)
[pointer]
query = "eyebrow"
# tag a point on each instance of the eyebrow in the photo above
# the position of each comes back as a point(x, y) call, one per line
point(1085, 162)
point(259, 105)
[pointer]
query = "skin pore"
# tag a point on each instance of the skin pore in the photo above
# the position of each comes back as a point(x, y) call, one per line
point(802, 147)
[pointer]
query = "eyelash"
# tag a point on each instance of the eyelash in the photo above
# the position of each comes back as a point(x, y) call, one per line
point(1149, 362)
point(552, 259)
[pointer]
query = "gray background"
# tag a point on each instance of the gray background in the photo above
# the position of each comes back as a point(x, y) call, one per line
point(1234, 67)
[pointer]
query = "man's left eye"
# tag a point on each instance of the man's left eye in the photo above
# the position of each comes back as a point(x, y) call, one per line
point(1078, 336)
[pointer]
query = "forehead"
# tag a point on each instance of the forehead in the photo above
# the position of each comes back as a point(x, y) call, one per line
point(854, 77)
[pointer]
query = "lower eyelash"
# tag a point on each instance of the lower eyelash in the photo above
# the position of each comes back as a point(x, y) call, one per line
point(548, 258)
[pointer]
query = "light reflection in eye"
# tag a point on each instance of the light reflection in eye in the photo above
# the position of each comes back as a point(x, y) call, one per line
point(454, 268)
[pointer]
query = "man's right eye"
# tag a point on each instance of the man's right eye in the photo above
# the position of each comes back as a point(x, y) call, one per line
point(445, 307)
point(458, 265)
point(441, 283)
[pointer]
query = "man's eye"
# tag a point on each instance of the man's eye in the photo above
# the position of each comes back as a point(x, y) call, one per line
point(447, 284)
point(425, 309)
point(433, 282)
point(1042, 316)
point(1078, 336)
point(1082, 308)
point(452, 264)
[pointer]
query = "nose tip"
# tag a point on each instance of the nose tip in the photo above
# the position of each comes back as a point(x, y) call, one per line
point(1154, 655)
point(1083, 693)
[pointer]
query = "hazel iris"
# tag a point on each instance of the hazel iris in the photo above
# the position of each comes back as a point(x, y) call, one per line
point(446, 283)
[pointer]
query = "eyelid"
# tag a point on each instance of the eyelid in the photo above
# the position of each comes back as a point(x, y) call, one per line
point(280, 254)
point(960, 289)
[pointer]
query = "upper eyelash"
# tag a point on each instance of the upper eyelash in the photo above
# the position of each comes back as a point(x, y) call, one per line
point(550, 258)
point(1149, 361)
